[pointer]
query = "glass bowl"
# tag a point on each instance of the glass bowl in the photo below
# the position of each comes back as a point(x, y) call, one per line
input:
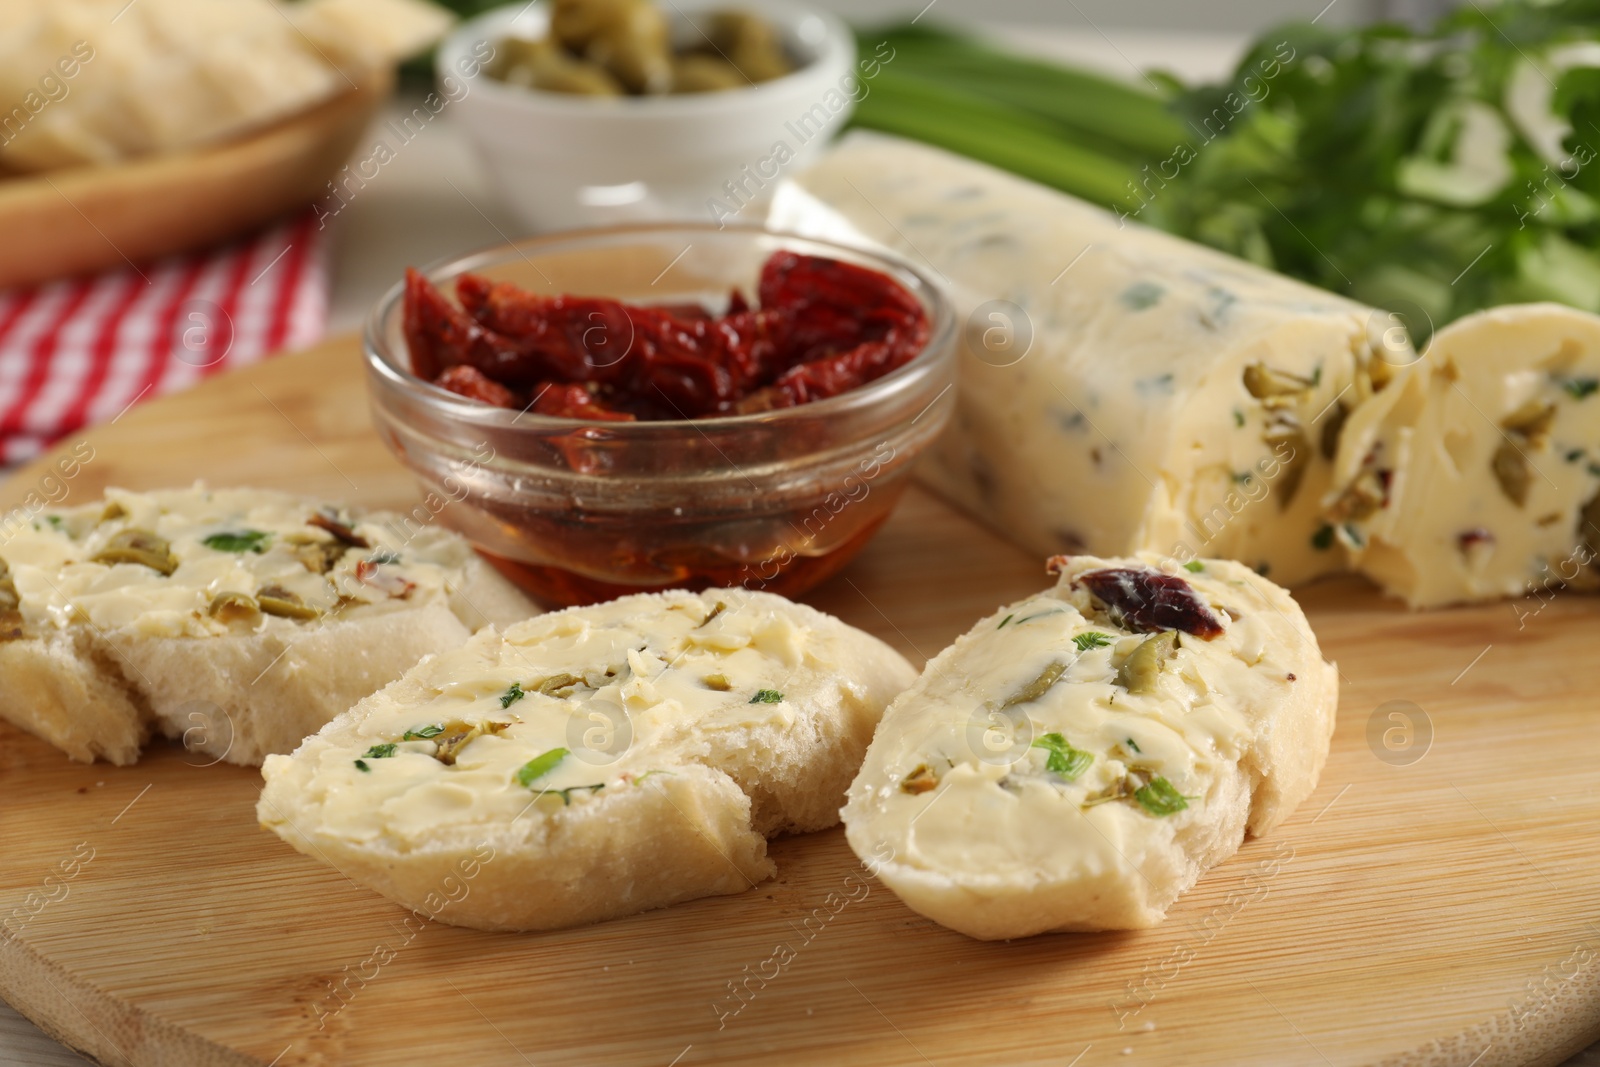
point(576, 511)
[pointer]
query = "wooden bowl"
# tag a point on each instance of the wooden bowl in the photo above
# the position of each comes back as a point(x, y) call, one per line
point(66, 222)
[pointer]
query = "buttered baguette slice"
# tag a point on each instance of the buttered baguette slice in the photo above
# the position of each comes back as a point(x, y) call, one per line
point(239, 620)
point(610, 759)
point(1079, 758)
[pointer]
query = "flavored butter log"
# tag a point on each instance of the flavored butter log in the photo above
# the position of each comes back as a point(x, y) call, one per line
point(1079, 758)
point(1476, 474)
point(1121, 390)
point(606, 759)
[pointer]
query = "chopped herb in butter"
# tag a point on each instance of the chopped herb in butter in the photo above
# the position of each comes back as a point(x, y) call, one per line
point(1091, 639)
point(766, 696)
point(238, 541)
point(1158, 797)
point(1579, 388)
point(1063, 759)
point(512, 695)
point(540, 766)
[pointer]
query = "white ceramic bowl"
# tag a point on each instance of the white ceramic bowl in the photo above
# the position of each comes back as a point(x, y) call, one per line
point(562, 161)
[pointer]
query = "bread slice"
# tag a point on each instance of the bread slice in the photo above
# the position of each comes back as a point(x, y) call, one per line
point(1079, 758)
point(145, 612)
point(594, 762)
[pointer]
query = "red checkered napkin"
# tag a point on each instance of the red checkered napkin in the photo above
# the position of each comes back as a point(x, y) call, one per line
point(83, 351)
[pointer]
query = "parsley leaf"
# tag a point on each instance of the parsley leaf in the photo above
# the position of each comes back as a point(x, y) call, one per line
point(1063, 759)
point(383, 751)
point(766, 696)
point(423, 733)
point(240, 541)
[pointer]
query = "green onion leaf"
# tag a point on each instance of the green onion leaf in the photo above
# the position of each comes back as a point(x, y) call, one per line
point(362, 766)
point(1092, 639)
point(423, 733)
point(540, 766)
point(383, 751)
point(1160, 798)
point(512, 695)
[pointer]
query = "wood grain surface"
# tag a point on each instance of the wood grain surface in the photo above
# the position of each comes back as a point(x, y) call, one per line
point(85, 219)
point(1439, 905)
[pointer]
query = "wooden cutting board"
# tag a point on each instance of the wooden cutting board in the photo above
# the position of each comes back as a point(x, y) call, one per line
point(1434, 910)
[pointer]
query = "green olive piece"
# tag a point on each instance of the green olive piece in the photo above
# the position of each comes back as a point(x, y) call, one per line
point(574, 23)
point(276, 600)
point(633, 48)
point(1038, 687)
point(577, 77)
point(1272, 386)
point(456, 735)
point(920, 780)
point(141, 547)
point(751, 44)
point(1333, 423)
point(698, 73)
point(1285, 429)
point(1360, 500)
point(1510, 468)
point(1139, 672)
point(320, 557)
point(1532, 420)
point(234, 607)
point(554, 685)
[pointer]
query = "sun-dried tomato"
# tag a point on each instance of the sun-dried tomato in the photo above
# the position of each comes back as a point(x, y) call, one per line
point(1148, 601)
point(574, 402)
point(472, 383)
point(823, 327)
